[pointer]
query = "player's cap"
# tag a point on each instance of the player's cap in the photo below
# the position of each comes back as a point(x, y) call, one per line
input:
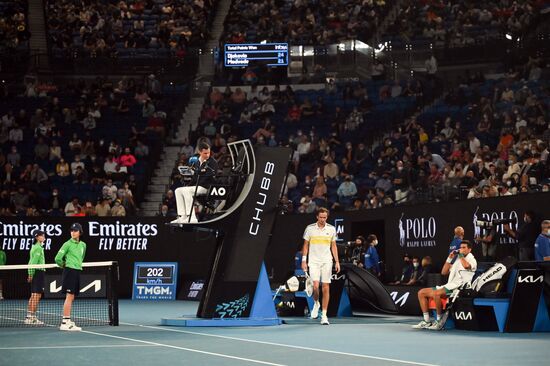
point(37, 232)
point(76, 227)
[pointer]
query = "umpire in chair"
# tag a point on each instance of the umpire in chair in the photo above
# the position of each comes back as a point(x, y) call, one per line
point(204, 174)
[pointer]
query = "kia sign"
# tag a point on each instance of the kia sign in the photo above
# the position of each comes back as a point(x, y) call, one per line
point(91, 286)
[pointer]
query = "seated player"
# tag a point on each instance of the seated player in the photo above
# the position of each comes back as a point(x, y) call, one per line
point(460, 272)
point(205, 169)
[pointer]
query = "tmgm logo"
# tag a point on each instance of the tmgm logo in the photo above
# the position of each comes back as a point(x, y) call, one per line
point(463, 315)
point(154, 290)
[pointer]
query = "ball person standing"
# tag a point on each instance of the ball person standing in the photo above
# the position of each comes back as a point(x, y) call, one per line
point(70, 258)
point(320, 244)
point(36, 277)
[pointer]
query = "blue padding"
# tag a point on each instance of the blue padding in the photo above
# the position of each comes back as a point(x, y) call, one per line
point(263, 306)
point(500, 308)
point(226, 322)
point(344, 308)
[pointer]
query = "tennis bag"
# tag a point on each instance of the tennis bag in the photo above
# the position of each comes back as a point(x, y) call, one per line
point(492, 282)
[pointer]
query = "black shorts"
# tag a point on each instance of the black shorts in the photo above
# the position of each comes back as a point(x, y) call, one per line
point(70, 281)
point(38, 282)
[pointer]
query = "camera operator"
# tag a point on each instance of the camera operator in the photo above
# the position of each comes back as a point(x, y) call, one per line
point(357, 251)
point(488, 240)
point(526, 235)
point(372, 260)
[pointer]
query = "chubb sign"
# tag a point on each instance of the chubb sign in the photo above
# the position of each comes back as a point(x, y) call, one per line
point(416, 232)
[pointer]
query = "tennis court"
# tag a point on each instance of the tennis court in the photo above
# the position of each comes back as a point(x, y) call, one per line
point(363, 340)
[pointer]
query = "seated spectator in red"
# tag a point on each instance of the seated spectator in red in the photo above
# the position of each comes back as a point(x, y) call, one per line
point(127, 159)
point(294, 113)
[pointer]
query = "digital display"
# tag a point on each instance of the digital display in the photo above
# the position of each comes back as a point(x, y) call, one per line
point(157, 274)
point(155, 281)
point(248, 54)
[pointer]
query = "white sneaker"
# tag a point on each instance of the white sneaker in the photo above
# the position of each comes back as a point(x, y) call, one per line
point(436, 325)
point(324, 320)
point(33, 321)
point(315, 310)
point(422, 325)
point(69, 326)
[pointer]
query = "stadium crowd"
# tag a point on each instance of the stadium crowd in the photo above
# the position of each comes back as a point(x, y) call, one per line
point(82, 150)
point(111, 28)
point(320, 22)
point(459, 23)
point(486, 138)
point(14, 33)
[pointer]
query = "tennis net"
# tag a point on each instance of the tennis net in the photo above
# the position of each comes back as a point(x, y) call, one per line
point(97, 303)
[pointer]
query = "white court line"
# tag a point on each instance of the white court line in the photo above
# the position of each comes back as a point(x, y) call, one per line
point(285, 345)
point(184, 348)
point(66, 347)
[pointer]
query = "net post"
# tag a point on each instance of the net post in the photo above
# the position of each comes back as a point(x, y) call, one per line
point(115, 275)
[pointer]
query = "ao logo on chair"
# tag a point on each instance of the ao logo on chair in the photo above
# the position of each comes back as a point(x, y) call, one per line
point(219, 191)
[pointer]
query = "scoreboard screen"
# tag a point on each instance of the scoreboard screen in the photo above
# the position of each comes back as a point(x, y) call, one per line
point(248, 54)
point(155, 281)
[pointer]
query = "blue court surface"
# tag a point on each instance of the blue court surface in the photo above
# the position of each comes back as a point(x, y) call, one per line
point(362, 340)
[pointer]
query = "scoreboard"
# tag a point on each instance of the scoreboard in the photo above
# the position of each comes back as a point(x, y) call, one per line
point(247, 54)
point(155, 281)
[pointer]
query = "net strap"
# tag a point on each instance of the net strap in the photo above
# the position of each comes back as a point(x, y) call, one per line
point(53, 265)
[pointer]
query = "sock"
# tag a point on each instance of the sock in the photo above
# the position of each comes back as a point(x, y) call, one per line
point(438, 317)
point(426, 317)
point(66, 319)
point(30, 314)
point(324, 313)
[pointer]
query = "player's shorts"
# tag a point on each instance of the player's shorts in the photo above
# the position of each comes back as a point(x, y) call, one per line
point(70, 281)
point(38, 282)
point(320, 272)
point(447, 291)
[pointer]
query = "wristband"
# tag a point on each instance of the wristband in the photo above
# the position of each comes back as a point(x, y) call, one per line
point(449, 260)
point(304, 258)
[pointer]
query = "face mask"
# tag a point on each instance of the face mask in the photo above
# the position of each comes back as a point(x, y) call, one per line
point(548, 232)
point(400, 168)
point(508, 183)
point(415, 265)
point(511, 162)
point(375, 242)
point(545, 189)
